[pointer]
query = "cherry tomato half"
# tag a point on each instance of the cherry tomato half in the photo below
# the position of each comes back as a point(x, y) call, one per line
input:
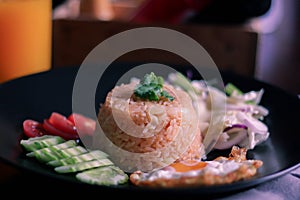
point(33, 128)
point(84, 125)
point(61, 123)
point(54, 131)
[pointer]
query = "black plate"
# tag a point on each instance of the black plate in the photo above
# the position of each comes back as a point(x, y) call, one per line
point(36, 96)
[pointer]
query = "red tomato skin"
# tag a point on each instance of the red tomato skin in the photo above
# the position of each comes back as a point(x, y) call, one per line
point(83, 124)
point(61, 122)
point(54, 131)
point(33, 128)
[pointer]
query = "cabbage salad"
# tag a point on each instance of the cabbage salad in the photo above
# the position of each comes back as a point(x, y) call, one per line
point(243, 120)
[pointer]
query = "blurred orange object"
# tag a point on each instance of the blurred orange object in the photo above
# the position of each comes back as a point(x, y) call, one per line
point(97, 9)
point(25, 37)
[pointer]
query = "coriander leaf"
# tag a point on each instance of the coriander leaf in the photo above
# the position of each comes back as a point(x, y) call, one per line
point(166, 95)
point(151, 88)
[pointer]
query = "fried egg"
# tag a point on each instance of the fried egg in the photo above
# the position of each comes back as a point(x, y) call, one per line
point(222, 170)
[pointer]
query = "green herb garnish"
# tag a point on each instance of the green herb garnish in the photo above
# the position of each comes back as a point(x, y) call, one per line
point(231, 88)
point(151, 88)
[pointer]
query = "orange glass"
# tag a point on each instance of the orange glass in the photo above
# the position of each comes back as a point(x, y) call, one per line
point(25, 37)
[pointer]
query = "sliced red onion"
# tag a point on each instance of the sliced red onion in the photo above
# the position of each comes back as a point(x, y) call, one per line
point(252, 123)
point(189, 74)
point(235, 133)
point(255, 109)
point(239, 107)
point(249, 96)
point(262, 110)
point(239, 126)
point(259, 96)
point(254, 96)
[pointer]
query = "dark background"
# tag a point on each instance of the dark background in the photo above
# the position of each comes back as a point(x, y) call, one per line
point(277, 50)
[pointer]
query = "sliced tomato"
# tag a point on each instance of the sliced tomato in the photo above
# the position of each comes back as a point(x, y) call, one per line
point(33, 128)
point(54, 131)
point(61, 122)
point(83, 124)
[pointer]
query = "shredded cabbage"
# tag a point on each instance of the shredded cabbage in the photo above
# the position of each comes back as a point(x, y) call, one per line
point(242, 109)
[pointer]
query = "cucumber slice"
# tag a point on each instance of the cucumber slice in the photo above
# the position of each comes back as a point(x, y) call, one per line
point(108, 175)
point(36, 143)
point(66, 156)
point(44, 155)
point(64, 145)
point(92, 155)
point(73, 151)
point(57, 152)
point(83, 166)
